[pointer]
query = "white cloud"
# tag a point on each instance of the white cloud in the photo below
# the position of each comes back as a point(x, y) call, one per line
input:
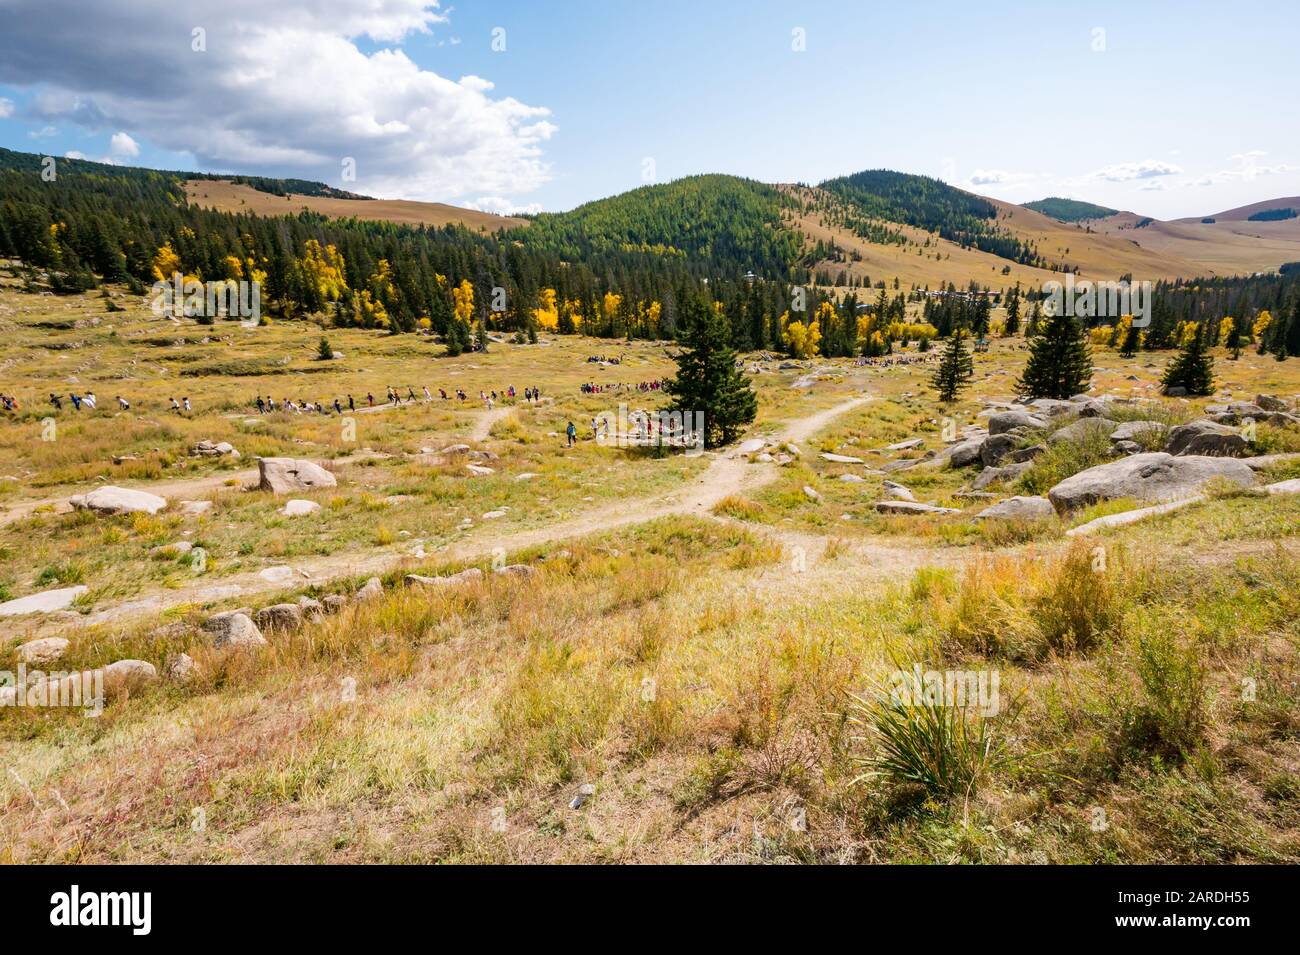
point(74, 154)
point(281, 89)
point(1245, 168)
point(503, 206)
point(45, 132)
point(1129, 171)
point(6, 108)
point(123, 145)
point(1000, 177)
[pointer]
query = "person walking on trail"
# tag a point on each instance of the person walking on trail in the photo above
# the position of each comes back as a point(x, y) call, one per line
point(88, 399)
point(337, 406)
point(57, 402)
point(370, 398)
point(572, 432)
point(185, 403)
point(76, 400)
point(427, 397)
point(261, 405)
point(351, 406)
point(123, 403)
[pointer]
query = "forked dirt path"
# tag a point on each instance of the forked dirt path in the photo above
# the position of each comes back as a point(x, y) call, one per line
point(728, 473)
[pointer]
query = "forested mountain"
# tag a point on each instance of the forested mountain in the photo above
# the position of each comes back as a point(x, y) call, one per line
point(1069, 210)
point(933, 205)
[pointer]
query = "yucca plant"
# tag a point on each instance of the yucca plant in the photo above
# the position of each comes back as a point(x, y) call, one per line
point(941, 748)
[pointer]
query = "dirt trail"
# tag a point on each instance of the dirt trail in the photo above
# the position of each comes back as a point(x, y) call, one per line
point(728, 473)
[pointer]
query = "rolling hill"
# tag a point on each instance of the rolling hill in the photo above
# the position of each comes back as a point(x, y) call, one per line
point(1069, 210)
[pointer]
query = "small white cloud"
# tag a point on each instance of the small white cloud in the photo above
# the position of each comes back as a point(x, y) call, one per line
point(1129, 171)
point(74, 154)
point(45, 132)
point(1246, 167)
point(6, 108)
point(503, 206)
point(1000, 177)
point(123, 145)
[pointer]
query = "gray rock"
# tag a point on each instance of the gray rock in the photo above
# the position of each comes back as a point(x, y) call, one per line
point(1004, 421)
point(852, 479)
point(1133, 430)
point(1082, 430)
point(298, 508)
point(967, 452)
point(1052, 406)
point(1177, 391)
point(1127, 447)
point(1147, 477)
point(1021, 455)
point(118, 500)
point(1020, 508)
point(180, 668)
point(48, 601)
point(213, 449)
point(1269, 403)
point(465, 576)
point(282, 617)
point(840, 458)
point(907, 445)
point(912, 507)
point(334, 603)
point(898, 492)
point(811, 493)
point(1206, 438)
point(42, 651)
point(371, 590)
point(285, 475)
point(516, 570)
point(1009, 472)
point(311, 609)
point(233, 629)
point(996, 447)
point(125, 675)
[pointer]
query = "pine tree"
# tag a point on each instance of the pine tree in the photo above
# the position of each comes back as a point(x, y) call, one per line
point(1013, 311)
point(1060, 361)
point(1132, 338)
point(1035, 320)
point(1234, 341)
point(707, 379)
point(954, 371)
point(323, 350)
point(1192, 369)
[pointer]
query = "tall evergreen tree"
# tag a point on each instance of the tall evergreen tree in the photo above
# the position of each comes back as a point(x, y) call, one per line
point(1192, 368)
point(1013, 310)
point(1060, 361)
point(707, 378)
point(954, 371)
point(1129, 346)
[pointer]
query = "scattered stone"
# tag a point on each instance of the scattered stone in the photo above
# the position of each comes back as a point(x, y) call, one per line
point(1004, 421)
point(479, 470)
point(1130, 517)
point(43, 651)
point(123, 676)
point(334, 603)
point(1206, 438)
point(371, 590)
point(298, 508)
point(213, 449)
point(465, 576)
point(1133, 430)
point(852, 479)
point(311, 609)
point(1009, 472)
point(585, 792)
point(284, 475)
point(912, 507)
point(180, 668)
point(47, 601)
point(1082, 430)
point(454, 449)
point(898, 492)
point(279, 574)
point(750, 446)
point(517, 570)
point(811, 493)
point(118, 500)
point(284, 617)
point(1270, 403)
point(996, 447)
point(1153, 477)
point(1020, 508)
point(175, 549)
point(907, 445)
point(840, 458)
point(233, 629)
point(193, 508)
point(1021, 455)
point(526, 476)
point(967, 452)
point(492, 515)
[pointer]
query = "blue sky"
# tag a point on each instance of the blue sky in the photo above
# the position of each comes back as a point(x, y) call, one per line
point(1169, 109)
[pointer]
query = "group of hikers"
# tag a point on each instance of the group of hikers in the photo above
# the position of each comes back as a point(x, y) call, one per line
point(888, 361)
point(87, 400)
point(393, 396)
point(602, 360)
point(591, 388)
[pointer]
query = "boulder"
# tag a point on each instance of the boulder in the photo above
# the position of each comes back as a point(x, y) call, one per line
point(1147, 477)
point(811, 493)
point(1082, 430)
point(1020, 508)
point(912, 507)
point(516, 570)
point(1021, 455)
point(898, 492)
point(285, 475)
point(334, 603)
point(1206, 438)
point(284, 617)
point(371, 590)
point(996, 447)
point(852, 479)
point(1135, 430)
point(479, 470)
point(213, 449)
point(967, 452)
point(43, 651)
point(297, 507)
point(840, 458)
point(118, 500)
point(1270, 403)
point(1009, 472)
point(180, 668)
point(311, 609)
point(751, 445)
point(279, 574)
point(907, 445)
point(233, 628)
point(1052, 406)
point(47, 601)
point(465, 576)
point(126, 675)
point(1284, 487)
point(1004, 421)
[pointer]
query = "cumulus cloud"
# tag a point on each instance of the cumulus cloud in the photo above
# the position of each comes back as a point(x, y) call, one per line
point(282, 89)
point(999, 177)
point(503, 206)
point(1245, 167)
point(1129, 171)
point(123, 146)
point(6, 108)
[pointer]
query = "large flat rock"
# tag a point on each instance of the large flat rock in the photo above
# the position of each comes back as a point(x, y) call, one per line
point(46, 602)
point(285, 475)
point(1154, 477)
point(118, 500)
